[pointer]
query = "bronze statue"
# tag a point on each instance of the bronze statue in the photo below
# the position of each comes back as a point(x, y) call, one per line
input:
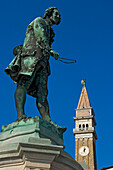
point(30, 67)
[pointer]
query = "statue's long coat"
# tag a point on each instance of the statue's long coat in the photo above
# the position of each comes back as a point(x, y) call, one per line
point(34, 52)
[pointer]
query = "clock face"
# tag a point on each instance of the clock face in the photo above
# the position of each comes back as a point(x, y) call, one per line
point(84, 150)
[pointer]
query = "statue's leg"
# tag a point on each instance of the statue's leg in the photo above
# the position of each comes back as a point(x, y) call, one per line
point(43, 108)
point(42, 92)
point(20, 98)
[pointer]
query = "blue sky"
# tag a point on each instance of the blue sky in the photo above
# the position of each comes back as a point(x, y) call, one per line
point(85, 34)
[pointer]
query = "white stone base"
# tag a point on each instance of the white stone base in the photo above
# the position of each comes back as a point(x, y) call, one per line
point(41, 155)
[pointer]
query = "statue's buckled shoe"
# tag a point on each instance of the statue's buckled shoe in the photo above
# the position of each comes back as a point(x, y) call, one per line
point(23, 116)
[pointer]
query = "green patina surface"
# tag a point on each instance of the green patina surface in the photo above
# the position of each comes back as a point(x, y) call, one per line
point(23, 122)
point(30, 68)
point(37, 128)
point(38, 124)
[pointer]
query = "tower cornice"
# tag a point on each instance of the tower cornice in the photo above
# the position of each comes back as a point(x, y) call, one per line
point(85, 117)
point(75, 131)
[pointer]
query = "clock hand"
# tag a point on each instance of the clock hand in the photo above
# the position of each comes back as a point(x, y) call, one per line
point(84, 150)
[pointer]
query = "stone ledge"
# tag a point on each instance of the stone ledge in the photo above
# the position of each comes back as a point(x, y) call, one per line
point(86, 117)
point(20, 156)
point(85, 132)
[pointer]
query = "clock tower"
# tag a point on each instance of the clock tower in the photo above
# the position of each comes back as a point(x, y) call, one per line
point(84, 131)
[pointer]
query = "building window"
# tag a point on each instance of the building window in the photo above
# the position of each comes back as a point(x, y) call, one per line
point(84, 161)
point(79, 127)
point(86, 126)
point(83, 126)
point(83, 142)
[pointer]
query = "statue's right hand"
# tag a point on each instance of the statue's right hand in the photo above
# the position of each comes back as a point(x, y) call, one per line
point(54, 54)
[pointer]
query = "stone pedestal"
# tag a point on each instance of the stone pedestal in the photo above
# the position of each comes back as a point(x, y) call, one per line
point(31, 127)
point(34, 144)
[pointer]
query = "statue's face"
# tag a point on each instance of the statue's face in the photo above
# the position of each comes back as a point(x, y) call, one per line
point(55, 17)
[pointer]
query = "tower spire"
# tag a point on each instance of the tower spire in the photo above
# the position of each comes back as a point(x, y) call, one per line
point(84, 99)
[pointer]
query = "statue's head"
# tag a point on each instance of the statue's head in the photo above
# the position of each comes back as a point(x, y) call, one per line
point(54, 14)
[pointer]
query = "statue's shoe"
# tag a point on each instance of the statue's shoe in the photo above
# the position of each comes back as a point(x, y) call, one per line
point(60, 129)
point(21, 117)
